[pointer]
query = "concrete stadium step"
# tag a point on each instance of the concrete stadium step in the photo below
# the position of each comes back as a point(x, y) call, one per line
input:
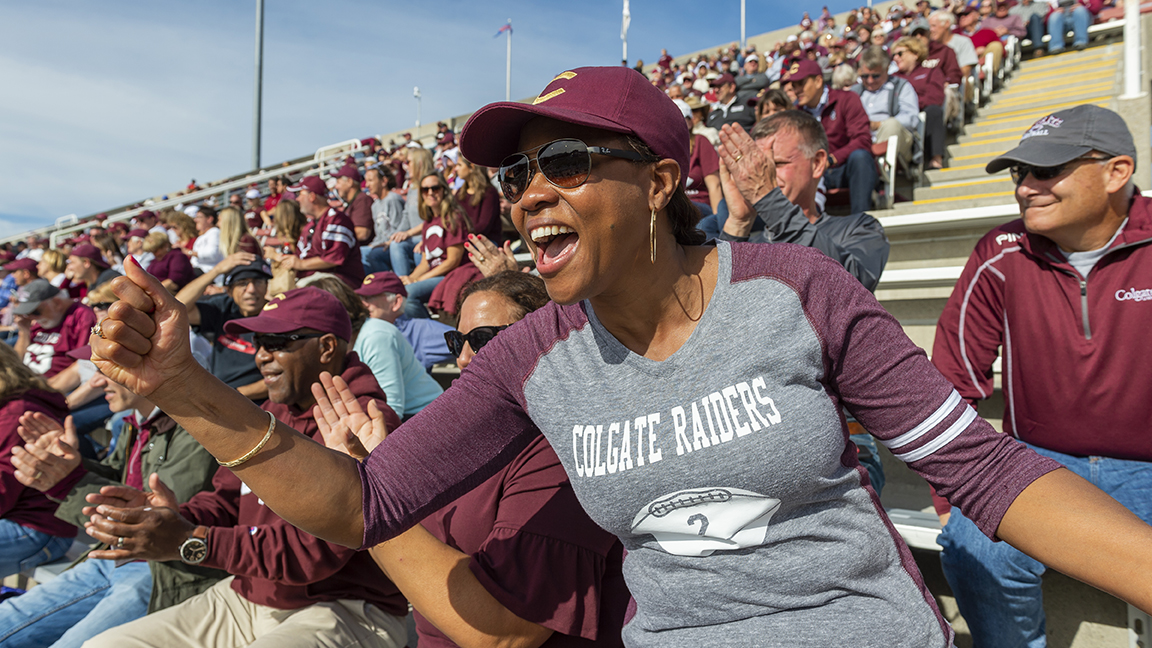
point(968, 169)
point(966, 188)
point(981, 198)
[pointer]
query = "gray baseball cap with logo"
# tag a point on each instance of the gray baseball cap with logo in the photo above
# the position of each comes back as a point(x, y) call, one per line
point(29, 296)
point(1066, 135)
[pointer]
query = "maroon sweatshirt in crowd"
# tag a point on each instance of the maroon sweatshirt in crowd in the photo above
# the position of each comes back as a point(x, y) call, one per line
point(18, 503)
point(1076, 376)
point(846, 123)
point(275, 563)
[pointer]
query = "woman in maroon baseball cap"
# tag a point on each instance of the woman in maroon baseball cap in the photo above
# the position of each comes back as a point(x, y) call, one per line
point(694, 395)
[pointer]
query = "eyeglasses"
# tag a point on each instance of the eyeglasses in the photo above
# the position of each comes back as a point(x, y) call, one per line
point(273, 342)
point(477, 338)
point(565, 163)
point(899, 52)
point(436, 189)
point(1044, 173)
point(871, 76)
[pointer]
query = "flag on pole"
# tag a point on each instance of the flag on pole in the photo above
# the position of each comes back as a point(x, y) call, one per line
point(627, 21)
point(505, 28)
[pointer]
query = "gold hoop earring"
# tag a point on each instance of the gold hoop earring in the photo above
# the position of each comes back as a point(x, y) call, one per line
point(652, 237)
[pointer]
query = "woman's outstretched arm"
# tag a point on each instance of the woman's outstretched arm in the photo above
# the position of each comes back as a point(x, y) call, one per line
point(145, 348)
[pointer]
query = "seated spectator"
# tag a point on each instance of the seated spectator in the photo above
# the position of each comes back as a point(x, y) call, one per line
point(771, 102)
point(234, 234)
point(288, 587)
point(843, 77)
point(775, 201)
point(135, 248)
point(1063, 11)
point(1032, 14)
point(847, 126)
point(183, 229)
point(51, 267)
point(891, 102)
point(424, 335)
point(233, 356)
point(30, 533)
point(943, 57)
point(206, 251)
point(538, 568)
point(940, 31)
point(98, 594)
point(327, 241)
point(700, 110)
point(909, 54)
point(147, 220)
point(1002, 22)
point(112, 247)
point(277, 191)
point(703, 182)
point(445, 228)
point(751, 81)
point(402, 250)
point(287, 225)
point(728, 110)
point(50, 324)
point(381, 346)
point(357, 204)
point(172, 268)
point(387, 216)
point(23, 271)
point(984, 40)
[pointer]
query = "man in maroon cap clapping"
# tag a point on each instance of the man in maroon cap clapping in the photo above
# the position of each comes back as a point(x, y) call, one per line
point(850, 161)
point(328, 241)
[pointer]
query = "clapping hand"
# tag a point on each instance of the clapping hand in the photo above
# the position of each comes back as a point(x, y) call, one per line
point(137, 525)
point(488, 258)
point(50, 453)
point(342, 422)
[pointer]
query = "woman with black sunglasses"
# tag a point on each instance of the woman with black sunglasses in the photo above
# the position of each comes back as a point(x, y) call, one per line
point(516, 556)
point(693, 393)
point(445, 228)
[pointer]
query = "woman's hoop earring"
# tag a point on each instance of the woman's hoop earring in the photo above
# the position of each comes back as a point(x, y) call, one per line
point(652, 237)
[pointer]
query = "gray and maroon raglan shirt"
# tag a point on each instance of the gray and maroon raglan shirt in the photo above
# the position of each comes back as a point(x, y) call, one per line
point(726, 469)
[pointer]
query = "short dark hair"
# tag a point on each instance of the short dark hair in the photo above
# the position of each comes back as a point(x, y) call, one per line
point(525, 290)
point(812, 135)
point(209, 211)
point(875, 58)
point(386, 175)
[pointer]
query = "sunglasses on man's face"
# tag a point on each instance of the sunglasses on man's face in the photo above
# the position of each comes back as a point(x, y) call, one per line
point(566, 163)
point(273, 342)
point(1021, 171)
point(476, 338)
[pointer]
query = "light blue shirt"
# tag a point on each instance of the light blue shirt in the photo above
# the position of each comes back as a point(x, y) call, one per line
point(427, 339)
point(407, 385)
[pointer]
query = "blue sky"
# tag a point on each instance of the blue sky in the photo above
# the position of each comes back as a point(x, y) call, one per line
point(105, 103)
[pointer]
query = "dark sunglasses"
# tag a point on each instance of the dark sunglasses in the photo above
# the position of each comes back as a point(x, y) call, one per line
point(273, 342)
point(477, 337)
point(1045, 173)
point(565, 163)
point(435, 189)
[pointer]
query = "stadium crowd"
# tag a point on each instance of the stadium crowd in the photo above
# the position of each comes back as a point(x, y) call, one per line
point(327, 299)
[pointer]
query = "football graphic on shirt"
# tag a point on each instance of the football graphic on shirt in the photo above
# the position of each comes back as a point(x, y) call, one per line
point(700, 521)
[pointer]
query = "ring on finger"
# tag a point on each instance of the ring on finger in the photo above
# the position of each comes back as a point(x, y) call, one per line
point(480, 257)
point(120, 542)
point(738, 158)
point(38, 475)
point(99, 329)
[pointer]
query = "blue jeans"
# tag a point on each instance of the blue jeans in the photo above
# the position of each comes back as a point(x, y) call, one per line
point(22, 548)
point(998, 588)
point(376, 259)
point(1081, 18)
point(403, 256)
point(76, 606)
point(869, 457)
point(418, 295)
point(1036, 30)
point(859, 175)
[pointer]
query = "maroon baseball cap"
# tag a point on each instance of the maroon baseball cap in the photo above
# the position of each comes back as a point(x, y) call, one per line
point(146, 214)
point(348, 171)
point(118, 225)
point(379, 283)
point(802, 69)
point(447, 137)
point(616, 99)
point(138, 233)
point(310, 183)
point(297, 309)
point(722, 79)
point(21, 264)
point(89, 251)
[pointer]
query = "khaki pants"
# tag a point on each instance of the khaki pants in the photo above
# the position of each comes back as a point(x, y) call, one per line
point(890, 127)
point(221, 618)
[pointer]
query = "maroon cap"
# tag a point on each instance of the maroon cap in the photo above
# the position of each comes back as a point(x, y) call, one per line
point(722, 79)
point(348, 171)
point(802, 69)
point(147, 213)
point(310, 183)
point(89, 251)
point(446, 137)
point(297, 309)
point(617, 99)
point(118, 225)
point(21, 264)
point(138, 233)
point(379, 283)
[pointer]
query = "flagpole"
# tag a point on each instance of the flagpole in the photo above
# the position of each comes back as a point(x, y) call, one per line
point(626, 20)
point(508, 68)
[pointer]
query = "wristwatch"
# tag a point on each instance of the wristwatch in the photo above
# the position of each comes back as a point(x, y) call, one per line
point(195, 548)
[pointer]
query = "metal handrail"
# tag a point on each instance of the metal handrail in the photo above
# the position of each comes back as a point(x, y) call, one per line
point(323, 156)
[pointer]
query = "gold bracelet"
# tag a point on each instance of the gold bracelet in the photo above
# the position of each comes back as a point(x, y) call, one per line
point(253, 451)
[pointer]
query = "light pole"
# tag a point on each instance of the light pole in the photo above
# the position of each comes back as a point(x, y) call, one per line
point(416, 93)
point(259, 83)
point(743, 40)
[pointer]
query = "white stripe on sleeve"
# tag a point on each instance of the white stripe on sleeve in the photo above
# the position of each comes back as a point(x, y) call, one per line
point(927, 424)
point(944, 439)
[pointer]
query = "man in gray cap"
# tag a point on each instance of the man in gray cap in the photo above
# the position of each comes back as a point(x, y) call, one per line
point(1066, 292)
point(49, 324)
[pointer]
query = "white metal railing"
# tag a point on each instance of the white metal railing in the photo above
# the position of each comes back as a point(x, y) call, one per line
point(322, 157)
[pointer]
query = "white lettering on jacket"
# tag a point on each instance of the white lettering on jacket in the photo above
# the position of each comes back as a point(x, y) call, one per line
point(1133, 294)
